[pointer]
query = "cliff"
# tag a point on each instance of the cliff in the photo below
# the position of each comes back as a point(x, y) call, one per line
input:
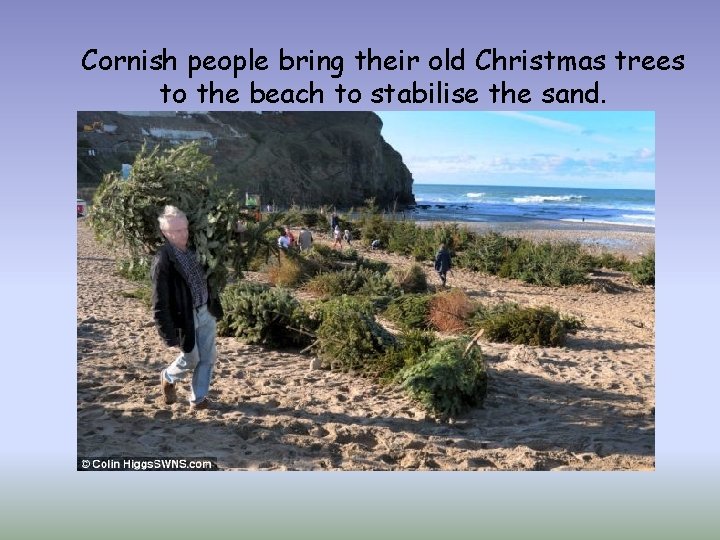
point(306, 158)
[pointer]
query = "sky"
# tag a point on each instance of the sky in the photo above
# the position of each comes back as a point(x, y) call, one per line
point(588, 149)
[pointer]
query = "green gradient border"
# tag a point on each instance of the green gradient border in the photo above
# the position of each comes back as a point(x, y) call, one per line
point(361, 505)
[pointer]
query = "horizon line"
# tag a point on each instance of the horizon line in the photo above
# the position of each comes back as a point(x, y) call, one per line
point(415, 183)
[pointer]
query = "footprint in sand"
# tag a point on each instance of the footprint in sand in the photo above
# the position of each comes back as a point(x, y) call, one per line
point(318, 431)
point(415, 445)
point(112, 397)
point(92, 412)
point(480, 463)
point(363, 438)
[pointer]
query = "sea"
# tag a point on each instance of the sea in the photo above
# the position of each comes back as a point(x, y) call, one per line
point(633, 207)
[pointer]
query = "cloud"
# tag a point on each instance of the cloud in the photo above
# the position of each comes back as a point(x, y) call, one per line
point(549, 123)
point(641, 161)
point(556, 125)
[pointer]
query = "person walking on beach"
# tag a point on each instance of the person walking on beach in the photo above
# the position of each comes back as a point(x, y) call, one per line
point(337, 235)
point(305, 239)
point(443, 263)
point(185, 311)
point(334, 222)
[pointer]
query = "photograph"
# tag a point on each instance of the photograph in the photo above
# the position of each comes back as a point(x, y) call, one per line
point(366, 291)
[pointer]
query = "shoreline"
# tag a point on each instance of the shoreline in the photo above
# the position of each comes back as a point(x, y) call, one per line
point(545, 224)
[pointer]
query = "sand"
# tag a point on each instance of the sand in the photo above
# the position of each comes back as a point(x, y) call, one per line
point(587, 406)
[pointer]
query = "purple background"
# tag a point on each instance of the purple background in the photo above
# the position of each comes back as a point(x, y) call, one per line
point(43, 86)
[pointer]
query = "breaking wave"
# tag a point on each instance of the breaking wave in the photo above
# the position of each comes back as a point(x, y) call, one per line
point(535, 199)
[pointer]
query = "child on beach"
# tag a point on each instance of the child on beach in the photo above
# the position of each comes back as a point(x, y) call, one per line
point(337, 244)
point(346, 236)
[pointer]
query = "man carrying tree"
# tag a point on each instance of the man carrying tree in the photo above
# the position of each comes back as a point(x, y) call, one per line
point(185, 310)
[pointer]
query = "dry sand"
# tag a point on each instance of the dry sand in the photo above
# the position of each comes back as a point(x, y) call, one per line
point(587, 406)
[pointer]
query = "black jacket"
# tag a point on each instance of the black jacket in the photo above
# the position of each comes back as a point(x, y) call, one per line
point(442, 260)
point(172, 301)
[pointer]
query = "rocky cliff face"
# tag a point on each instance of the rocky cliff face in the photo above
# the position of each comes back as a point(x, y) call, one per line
point(306, 158)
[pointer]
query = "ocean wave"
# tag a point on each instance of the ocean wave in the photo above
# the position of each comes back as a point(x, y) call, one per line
point(547, 198)
point(474, 195)
point(640, 208)
point(639, 216)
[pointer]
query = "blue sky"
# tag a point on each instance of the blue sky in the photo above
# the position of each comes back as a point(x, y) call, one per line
point(565, 149)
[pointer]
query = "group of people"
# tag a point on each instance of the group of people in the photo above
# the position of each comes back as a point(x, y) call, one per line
point(339, 236)
point(186, 308)
point(303, 242)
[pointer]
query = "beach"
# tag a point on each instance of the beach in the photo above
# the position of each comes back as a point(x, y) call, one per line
point(589, 405)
